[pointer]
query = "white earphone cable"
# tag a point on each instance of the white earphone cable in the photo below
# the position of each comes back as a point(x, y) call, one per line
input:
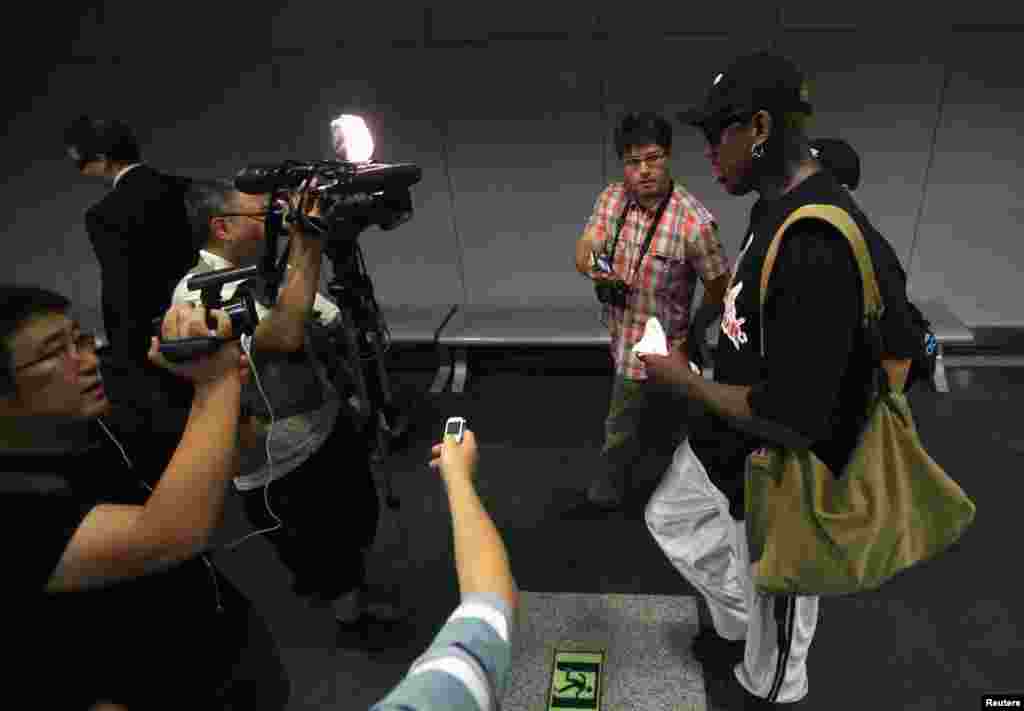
point(246, 342)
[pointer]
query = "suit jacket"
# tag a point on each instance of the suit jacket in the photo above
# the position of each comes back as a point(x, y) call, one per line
point(142, 239)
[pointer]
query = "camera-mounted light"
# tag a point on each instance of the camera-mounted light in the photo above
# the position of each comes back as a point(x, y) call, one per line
point(352, 139)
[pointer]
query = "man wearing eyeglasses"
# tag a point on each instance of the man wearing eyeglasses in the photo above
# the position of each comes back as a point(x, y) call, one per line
point(109, 594)
point(646, 242)
point(315, 497)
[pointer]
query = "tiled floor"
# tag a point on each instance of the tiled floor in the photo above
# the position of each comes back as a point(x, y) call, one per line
point(935, 638)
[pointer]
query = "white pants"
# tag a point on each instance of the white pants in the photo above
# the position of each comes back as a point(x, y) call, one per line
point(689, 518)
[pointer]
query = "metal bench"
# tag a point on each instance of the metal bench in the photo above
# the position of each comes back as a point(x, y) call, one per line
point(413, 324)
point(498, 327)
point(504, 327)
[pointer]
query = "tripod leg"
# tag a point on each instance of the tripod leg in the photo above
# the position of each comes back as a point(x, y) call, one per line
point(396, 423)
point(383, 432)
point(376, 336)
point(354, 364)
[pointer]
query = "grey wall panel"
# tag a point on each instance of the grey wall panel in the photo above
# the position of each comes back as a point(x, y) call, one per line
point(166, 31)
point(44, 237)
point(909, 16)
point(249, 29)
point(528, 128)
point(656, 19)
point(970, 252)
point(220, 118)
point(400, 97)
point(885, 104)
point(200, 128)
point(315, 27)
point(525, 136)
point(478, 21)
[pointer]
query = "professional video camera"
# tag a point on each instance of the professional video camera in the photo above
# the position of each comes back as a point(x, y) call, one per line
point(360, 195)
point(352, 194)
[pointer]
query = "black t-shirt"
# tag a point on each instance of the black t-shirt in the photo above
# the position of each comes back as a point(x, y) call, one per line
point(156, 641)
point(816, 376)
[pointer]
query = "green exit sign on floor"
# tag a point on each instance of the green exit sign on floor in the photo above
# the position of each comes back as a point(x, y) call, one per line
point(577, 680)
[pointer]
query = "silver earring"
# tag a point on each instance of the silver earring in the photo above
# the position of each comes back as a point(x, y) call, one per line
point(757, 151)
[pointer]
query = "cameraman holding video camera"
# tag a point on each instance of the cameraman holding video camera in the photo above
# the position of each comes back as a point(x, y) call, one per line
point(110, 595)
point(315, 498)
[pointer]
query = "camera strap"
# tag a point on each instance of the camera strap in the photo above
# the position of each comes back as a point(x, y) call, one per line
point(652, 228)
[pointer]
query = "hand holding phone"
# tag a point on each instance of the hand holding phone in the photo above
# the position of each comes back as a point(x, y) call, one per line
point(456, 455)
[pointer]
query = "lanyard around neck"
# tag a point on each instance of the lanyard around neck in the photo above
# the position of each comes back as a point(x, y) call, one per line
point(650, 230)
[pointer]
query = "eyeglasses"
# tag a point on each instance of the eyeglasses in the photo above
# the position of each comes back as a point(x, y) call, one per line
point(650, 158)
point(74, 346)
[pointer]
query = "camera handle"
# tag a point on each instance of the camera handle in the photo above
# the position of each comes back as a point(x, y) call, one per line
point(271, 268)
point(182, 350)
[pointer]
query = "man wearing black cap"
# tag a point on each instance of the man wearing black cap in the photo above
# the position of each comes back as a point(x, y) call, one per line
point(807, 390)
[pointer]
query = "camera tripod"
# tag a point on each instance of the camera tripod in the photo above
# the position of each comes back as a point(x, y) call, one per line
point(358, 344)
point(359, 338)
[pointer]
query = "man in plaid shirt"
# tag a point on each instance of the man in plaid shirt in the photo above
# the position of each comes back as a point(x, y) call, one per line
point(655, 238)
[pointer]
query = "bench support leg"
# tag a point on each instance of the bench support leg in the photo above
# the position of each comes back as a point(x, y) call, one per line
point(941, 384)
point(461, 367)
point(444, 371)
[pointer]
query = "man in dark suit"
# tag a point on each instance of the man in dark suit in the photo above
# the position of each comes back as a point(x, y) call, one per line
point(142, 240)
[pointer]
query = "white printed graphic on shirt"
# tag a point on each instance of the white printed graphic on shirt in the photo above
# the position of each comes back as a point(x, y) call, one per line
point(732, 326)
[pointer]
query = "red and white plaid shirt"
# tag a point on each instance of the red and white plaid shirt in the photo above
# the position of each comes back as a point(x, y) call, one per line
point(685, 245)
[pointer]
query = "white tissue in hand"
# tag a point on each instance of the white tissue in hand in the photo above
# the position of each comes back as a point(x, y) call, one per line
point(653, 340)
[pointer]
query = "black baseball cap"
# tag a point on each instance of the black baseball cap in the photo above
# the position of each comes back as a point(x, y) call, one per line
point(762, 80)
point(840, 158)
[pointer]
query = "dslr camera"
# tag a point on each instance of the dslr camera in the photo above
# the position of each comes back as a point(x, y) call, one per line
point(612, 293)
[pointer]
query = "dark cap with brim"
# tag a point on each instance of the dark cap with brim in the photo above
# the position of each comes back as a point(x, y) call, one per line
point(753, 82)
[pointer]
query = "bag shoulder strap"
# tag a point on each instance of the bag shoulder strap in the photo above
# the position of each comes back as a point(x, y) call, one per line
point(874, 308)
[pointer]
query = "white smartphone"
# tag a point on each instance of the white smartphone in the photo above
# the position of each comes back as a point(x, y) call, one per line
point(455, 426)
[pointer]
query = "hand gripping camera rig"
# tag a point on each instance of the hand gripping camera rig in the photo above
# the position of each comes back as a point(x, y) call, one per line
point(351, 198)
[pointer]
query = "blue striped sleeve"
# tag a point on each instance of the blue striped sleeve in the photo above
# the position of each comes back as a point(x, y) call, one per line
point(466, 667)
